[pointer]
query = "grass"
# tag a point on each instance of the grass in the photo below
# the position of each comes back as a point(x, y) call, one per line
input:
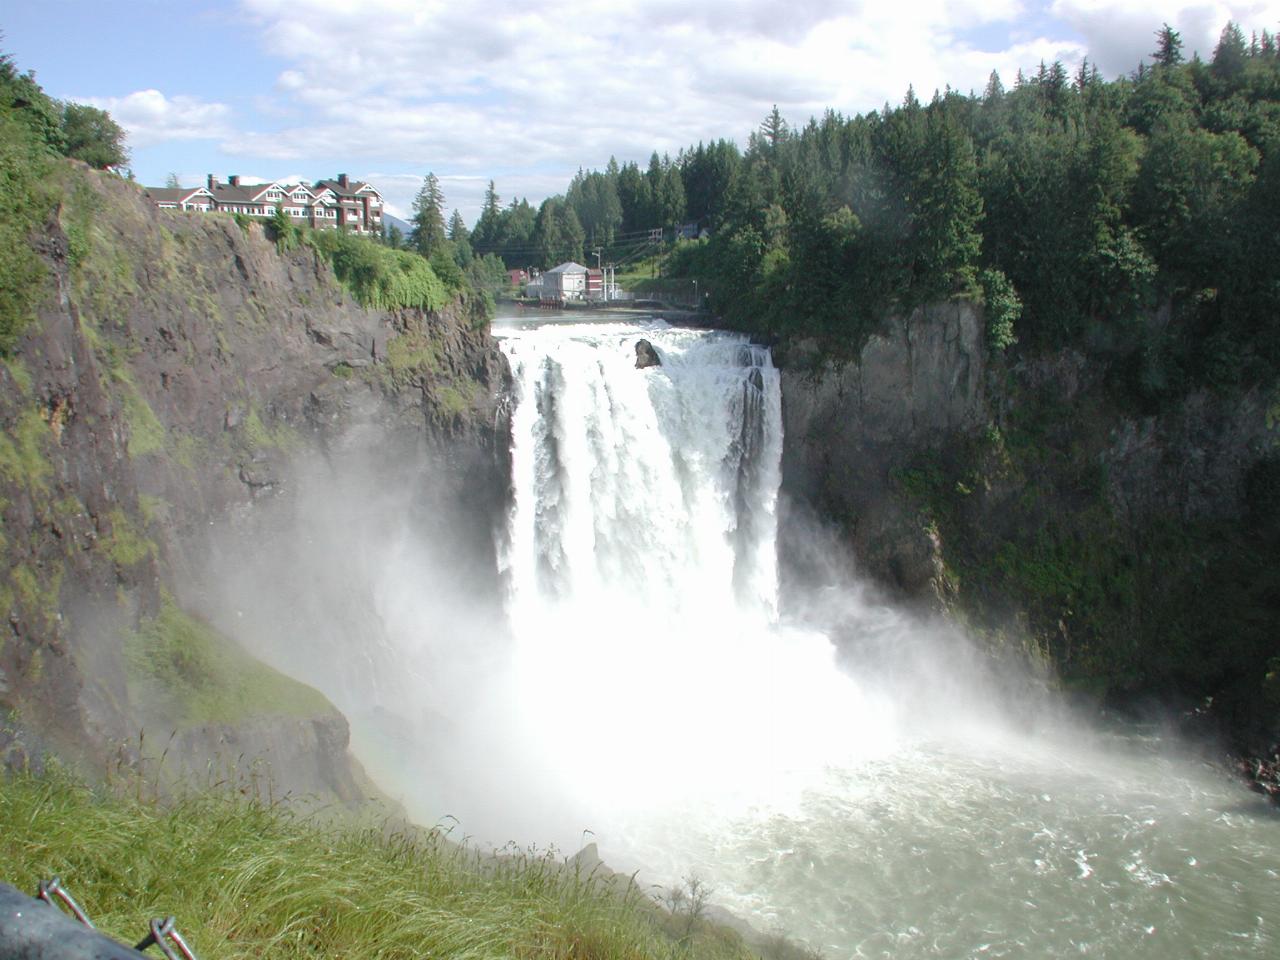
point(259, 436)
point(454, 402)
point(195, 675)
point(248, 879)
point(412, 350)
point(126, 545)
point(38, 595)
point(146, 433)
point(22, 452)
point(636, 273)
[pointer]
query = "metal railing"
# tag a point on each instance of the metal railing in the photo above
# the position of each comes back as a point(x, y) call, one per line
point(31, 930)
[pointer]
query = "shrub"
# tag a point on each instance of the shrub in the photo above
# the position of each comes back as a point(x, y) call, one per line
point(378, 276)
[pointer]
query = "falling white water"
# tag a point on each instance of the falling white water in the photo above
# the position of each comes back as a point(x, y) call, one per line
point(654, 698)
point(643, 686)
point(658, 483)
point(643, 578)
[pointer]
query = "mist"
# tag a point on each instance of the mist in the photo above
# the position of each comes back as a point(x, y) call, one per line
point(653, 650)
point(632, 684)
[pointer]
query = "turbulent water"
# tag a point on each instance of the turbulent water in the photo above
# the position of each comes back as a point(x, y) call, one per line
point(887, 803)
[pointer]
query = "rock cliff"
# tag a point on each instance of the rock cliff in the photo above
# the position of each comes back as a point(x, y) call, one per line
point(179, 367)
point(852, 425)
point(1032, 497)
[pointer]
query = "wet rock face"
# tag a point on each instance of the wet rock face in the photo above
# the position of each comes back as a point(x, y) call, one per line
point(177, 368)
point(1010, 495)
point(850, 423)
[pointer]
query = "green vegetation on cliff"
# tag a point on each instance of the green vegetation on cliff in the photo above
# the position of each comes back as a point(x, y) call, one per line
point(379, 276)
point(1158, 603)
point(196, 676)
point(246, 879)
point(34, 130)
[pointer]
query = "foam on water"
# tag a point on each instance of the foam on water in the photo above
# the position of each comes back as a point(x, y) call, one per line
point(654, 694)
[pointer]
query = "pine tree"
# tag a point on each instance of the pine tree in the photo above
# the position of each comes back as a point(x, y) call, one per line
point(458, 231)
point(774, 128)
point(1168, 52)
point(428, 217)
point(994, 90)
point(486, 235)
point(1230, 54)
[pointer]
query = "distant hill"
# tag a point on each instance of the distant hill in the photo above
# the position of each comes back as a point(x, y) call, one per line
point(388, 221)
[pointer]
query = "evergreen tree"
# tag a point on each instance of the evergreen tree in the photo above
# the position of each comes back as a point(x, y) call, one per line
point(485, 237)
point(460, 240)
point(634, 196)
point(557, 233)
point(458, 231)
point(1230, 54)
point(994, 89)
point(946, 209)
point(428, 234)
point(774, 128)
point(1168, 52)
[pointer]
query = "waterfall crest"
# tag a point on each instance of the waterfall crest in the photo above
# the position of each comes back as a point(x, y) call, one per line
point(656, 483)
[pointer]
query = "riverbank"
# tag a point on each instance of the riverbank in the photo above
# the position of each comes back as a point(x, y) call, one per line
point(246, 878)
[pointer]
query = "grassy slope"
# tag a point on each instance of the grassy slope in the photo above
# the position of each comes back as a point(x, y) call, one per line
point(199, 676)
point(249, 880)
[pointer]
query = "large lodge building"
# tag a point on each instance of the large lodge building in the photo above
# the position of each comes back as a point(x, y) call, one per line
point(327, 203)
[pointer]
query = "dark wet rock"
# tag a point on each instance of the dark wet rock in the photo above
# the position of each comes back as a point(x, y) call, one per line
point(646, 356)
point(1262, 773)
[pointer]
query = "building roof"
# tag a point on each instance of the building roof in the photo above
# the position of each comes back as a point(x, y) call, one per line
point(352, 188)
point(169, 193)
point(569, 267)
point(225, 193)
point(174, 194)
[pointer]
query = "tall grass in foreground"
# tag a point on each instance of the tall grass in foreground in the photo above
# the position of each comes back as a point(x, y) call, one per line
point(247, 879)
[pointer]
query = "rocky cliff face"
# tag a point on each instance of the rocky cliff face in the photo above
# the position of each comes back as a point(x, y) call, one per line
point(177, 370)
point(853, 425)
point(1033, 499)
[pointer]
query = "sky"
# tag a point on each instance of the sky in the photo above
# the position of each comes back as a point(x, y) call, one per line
point(527, 93)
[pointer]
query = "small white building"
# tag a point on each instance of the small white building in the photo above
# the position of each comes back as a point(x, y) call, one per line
point(565, 282)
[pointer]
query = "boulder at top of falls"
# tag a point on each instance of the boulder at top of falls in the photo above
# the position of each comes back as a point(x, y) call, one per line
point(646, 356)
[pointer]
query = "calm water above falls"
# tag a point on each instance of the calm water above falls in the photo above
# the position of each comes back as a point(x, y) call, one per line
point(657, 700)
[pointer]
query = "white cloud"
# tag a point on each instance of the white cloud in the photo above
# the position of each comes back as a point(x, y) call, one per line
point(149, 117)
point(526, 92)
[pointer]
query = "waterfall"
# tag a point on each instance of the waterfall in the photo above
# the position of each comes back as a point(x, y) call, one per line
point(656, 485)
point(649, 670)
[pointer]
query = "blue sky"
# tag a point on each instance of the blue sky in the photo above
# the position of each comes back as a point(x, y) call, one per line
point(526, 92)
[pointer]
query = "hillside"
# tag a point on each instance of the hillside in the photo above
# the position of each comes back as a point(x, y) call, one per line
point(176, 370)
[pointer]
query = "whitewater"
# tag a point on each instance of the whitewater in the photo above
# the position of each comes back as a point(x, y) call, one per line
point(884, 796)
point(680, 667)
